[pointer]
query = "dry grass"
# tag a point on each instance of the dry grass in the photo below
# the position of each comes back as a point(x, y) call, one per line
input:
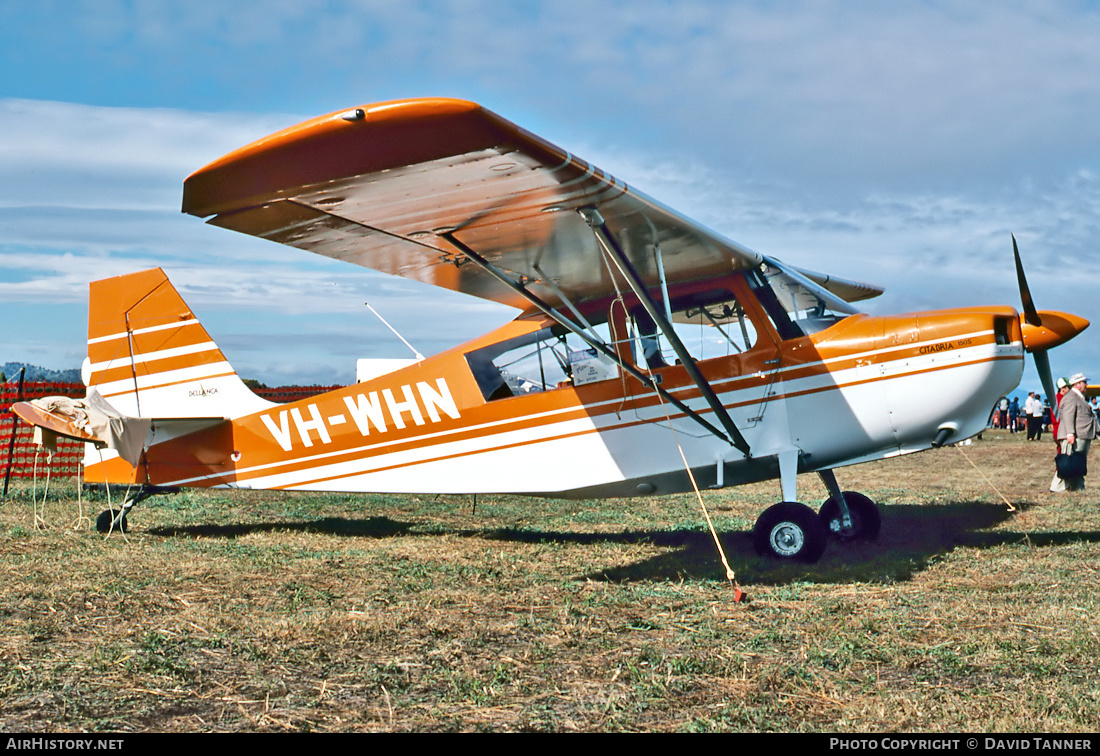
point(274, 611)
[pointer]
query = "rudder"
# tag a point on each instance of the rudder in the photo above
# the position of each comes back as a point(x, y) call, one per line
point(149, 356)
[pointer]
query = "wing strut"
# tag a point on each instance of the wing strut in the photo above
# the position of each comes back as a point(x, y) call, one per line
point(596, 344)
point(593, 218)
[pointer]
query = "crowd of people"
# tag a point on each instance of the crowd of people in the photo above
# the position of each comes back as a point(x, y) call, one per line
point(1072, 420)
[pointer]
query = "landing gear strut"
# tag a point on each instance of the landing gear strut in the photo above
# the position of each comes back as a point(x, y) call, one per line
point(794, 532)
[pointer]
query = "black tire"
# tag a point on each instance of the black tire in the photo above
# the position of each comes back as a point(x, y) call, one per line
point(789, 531)
point(866, 520)
point(103, 522)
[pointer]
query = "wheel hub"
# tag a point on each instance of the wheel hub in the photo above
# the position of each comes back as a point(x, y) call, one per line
point(787, 538)
point(836, 525)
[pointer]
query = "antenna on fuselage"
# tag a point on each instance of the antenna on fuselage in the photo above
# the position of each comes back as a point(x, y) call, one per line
point(404, 341)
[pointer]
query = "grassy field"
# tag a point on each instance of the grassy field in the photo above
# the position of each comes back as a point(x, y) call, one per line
point(267, 611)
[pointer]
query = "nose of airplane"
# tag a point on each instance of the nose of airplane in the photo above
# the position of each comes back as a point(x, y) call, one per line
point(1042, 330)
point(1055, 328)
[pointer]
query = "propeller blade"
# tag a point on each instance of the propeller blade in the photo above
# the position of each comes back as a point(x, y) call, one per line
point(1031, 316)
point(1042, 364)
point(1044, 331)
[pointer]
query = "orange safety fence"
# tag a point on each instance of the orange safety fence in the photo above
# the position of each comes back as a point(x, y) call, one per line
point(66, 462)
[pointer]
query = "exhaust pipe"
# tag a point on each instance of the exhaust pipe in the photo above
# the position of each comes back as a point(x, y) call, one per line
point(945, 431)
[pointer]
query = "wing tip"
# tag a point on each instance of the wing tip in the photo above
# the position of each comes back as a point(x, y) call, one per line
point(205, 191)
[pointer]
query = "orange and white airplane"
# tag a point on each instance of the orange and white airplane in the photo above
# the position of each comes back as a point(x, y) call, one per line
point(646, 346)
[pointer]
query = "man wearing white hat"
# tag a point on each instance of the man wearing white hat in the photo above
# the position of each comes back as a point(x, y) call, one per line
point(1033, 409)
point(1076, 426)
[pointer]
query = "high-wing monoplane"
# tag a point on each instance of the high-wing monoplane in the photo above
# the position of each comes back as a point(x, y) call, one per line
point(650, 354)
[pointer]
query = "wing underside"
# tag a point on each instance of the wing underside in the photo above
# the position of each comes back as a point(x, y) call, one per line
point(385, 186)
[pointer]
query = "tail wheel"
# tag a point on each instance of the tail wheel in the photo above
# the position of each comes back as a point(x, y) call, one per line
point(791, 531)
point(866, 521)
point(106, 517)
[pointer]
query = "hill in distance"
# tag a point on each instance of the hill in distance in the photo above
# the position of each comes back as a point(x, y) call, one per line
point(10, 373)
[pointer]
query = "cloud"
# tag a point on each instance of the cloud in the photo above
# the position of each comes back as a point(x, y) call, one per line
point(91, 192)
point(838, 93)
point(928, 249)
point(65, 155)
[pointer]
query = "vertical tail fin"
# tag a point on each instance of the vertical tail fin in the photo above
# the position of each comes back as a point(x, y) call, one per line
point(149, 356)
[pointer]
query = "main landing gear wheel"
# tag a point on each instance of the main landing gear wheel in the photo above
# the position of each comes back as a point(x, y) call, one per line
point(106, 517)
point(866, 521)
point(789, 530)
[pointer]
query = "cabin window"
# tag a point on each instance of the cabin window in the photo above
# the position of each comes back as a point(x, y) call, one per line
point(796, 307)
point(547, 359)
point(709, 323)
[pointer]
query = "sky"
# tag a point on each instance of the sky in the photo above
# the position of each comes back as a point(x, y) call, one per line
point(897, 143)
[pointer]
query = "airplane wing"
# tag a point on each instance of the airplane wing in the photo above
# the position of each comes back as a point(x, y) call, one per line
point(384, 185)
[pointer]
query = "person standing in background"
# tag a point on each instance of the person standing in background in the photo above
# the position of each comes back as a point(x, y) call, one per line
point(1076, 426)
point(1036, 417)
point(1029, 411)
point(1057, 485)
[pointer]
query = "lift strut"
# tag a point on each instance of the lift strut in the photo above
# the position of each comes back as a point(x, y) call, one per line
point(593, 218)
point(596, 344)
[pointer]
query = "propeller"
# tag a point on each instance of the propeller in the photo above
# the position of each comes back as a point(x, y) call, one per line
point(1031, 317)
point(1043, 329)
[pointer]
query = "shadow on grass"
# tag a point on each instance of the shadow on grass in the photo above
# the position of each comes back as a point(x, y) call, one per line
point(372, 527)
point(911, 538)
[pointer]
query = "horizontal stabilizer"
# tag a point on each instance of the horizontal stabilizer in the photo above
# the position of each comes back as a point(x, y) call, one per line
point(91, 420)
